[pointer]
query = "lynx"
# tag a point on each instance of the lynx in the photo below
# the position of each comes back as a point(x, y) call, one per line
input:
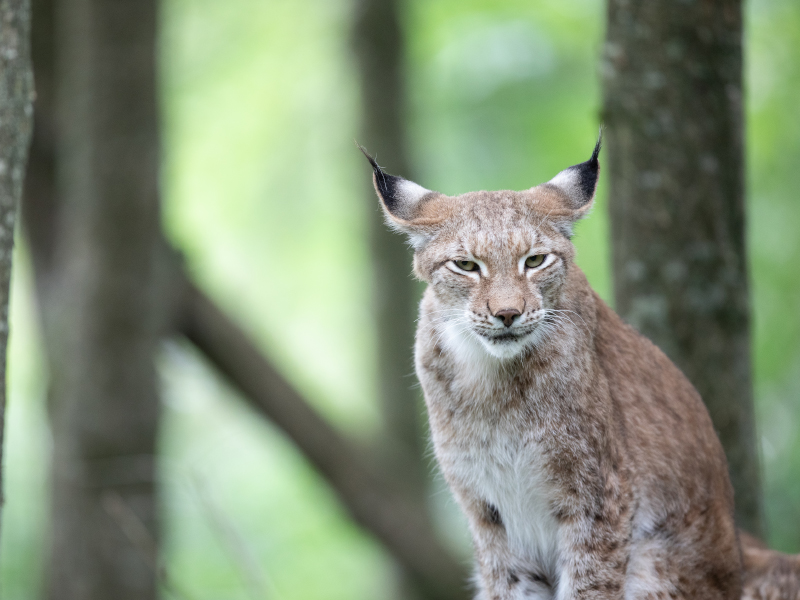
point(585, 462)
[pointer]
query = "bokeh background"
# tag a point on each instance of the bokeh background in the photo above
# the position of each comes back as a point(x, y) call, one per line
point(263, 193)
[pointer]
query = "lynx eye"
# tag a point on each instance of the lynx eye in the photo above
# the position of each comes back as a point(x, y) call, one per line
point(535, 261)
point(466, 265)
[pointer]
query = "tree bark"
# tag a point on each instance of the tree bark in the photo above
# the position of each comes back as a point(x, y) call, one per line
point(102, 309)
point(673, 113)
point(16, 111)
point(379, 49)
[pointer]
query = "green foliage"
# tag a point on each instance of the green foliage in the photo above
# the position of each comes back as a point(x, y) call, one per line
point(267, 196)
point(504, 96)
point(773, 135)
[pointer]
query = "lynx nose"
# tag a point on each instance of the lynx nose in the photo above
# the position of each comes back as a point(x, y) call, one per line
point(507, 315)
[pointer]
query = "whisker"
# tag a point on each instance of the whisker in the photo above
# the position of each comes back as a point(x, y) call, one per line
point(443, 318)
point(572, 312)
point(433, 312)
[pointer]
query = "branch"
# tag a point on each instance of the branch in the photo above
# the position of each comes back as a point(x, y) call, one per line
point(397, 519)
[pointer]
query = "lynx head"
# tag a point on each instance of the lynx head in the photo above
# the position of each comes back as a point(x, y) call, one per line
point(497, 262)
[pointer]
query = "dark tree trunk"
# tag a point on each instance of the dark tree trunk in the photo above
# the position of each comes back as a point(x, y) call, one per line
point(96, 259)
point(673, 112)
point(379, 49)
point(40, 204)
point(16, 111)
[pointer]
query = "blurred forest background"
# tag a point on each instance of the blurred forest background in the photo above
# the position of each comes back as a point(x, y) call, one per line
point(265, 195)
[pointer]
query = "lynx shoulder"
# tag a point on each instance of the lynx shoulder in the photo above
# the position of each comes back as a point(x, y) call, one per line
point(585, 462)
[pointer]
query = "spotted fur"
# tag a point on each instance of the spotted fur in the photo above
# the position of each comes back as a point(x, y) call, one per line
point(585, 462)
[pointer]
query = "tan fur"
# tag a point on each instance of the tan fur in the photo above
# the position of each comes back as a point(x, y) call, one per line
point(585, 462)
point(768, 575)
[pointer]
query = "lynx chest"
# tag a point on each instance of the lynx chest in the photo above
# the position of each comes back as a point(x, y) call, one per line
point(499, 461)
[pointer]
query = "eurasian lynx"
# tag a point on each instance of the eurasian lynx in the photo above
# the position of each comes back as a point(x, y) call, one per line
point(585, 462)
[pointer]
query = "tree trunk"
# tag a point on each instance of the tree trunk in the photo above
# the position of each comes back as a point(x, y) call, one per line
point(673, 112)
point(16, 110)
point(101, 304)
point(379, 50)
point(40, 204)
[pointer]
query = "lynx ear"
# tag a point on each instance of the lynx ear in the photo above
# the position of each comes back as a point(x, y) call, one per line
point(400, 199)
point(398, 196)
point(579, 182)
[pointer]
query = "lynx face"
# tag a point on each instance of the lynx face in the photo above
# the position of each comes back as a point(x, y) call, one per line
point(500, 291)
point(496, 261)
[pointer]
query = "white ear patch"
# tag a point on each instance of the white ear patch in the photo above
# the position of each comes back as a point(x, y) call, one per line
point(409, 193)
point(570, 181)
point(579, 182)
point(568, 178)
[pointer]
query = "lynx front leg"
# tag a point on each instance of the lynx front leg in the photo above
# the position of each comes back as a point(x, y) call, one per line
point(499, 574)
point(496, 580)
point(594, 560)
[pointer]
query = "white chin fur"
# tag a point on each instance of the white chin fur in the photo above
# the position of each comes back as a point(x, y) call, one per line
point(506, 349)
point(470, 347)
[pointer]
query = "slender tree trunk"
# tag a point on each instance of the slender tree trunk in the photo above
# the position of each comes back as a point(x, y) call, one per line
point(16, 111)
point(379, 49)
point(673, 112)
point(39, 207)
point(101, 307)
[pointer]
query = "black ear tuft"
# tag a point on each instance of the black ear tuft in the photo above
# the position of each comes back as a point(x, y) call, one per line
point(385, 184)
point(589, 171)
point(400, 197)
point(579, 182)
